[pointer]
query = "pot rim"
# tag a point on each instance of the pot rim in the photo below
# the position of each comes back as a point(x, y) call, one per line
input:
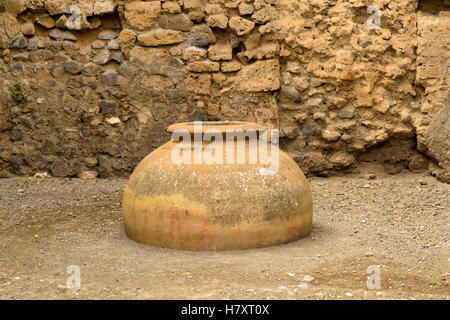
point(217, 126)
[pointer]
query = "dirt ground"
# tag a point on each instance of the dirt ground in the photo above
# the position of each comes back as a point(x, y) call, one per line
point(399, 222)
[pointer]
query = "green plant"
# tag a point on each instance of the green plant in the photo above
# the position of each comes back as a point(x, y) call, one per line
point(117, 67)
point(18, 95)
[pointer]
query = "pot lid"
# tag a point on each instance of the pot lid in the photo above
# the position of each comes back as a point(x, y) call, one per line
point(218, 126)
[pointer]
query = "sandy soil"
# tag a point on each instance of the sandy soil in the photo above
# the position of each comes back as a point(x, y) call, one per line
point(399, 222)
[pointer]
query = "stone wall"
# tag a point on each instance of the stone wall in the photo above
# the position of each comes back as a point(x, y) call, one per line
point(98, 99)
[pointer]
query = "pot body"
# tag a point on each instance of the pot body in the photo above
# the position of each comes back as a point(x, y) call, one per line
point(215, 206)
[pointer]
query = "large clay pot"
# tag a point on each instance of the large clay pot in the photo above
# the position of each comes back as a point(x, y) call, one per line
point(216, 206)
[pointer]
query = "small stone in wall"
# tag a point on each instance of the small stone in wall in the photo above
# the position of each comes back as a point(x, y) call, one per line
point(56, 45)
point(101, 58)
point(33, 44)
point(176, 51)
point(142, 15)
point(347, 113)
point(107, 35)
point(161, 37)
point(61, 57)
point(264, 15)
point(17, 134)
point(245, 9)
point(293, 67)
point(314, 103)
point(342, 159)
point(290, 132)
point(98, 44)
point(217, 21)
point(113, 121)
point(16, 69)
point(40, 175)
point(263, 75)
point(418, 163)
point(198, 83)
point(72, 67)
point(4, 41)
point(192, 4)
point(91, 69)
point(300, 83)
point(194, 53)
point(113, 45)
point(171, 7)
point(316, 161)
point(202, 36)
point(55, 34)
point(117, 56)
point(180, 22)
point(336, 102)
point(267, 50)
point(109, 78)
point(241, 26)
point(310, 129)
point(21, 56)
point(373, 137)
point(70, 46)
point(57, 70)
point(300, 117)
point(90, 162)
point(347, 137)
point(104, 7)
point(319, 116)
point(331, 135)
point(15, 6)
point(219, 52)
point(60, 169)
point(58, 35)
point(46, 21)
point(196, 15)
point(61, 23)
point(28, 29)
point(10, 24)
point(85, 175)
point(6, 54)
point(108, 106)
point(80, 56)
point(288, 94)
point(213, 8)
point(252, 41)
point(219, 78)
point(127, 38)
point(231, 66)
point(203, 66)
point(19, 42)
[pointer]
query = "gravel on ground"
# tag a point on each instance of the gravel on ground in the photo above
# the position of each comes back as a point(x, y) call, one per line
point(399, 223)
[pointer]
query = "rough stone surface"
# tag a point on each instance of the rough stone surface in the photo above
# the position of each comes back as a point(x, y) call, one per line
point(72, 67)
point(436, 139)
point(336, 89)
point(262, 75)
point(241, 26)
point(160, 37)
point(142, 15)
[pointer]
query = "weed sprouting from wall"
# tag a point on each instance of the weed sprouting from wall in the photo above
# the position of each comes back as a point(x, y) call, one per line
point(18, 95)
